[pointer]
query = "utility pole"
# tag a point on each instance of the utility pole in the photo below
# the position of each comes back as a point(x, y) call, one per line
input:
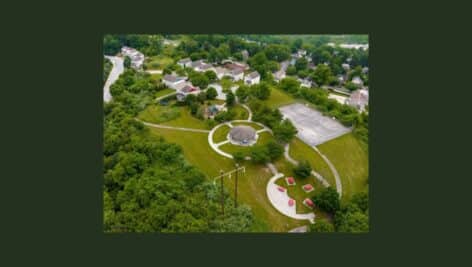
point(236, 187)
point(222, 194)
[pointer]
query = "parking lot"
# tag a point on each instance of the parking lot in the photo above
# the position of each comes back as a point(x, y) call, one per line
point(313, 128)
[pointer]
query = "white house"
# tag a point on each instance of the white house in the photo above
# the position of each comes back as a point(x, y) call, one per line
point(173, 81)
point(357, 81)
point(359, 99)
point(203, 67)
point(185, 62)
point(279, 75)
point(252, 78)
point(186, 90)
point(305, 83)
point(196, 64)
point(220, 72)
point(345, 66)
point(236, 74)
point(137, 58)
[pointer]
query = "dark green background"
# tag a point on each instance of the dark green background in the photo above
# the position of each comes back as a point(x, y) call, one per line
point(52, 133)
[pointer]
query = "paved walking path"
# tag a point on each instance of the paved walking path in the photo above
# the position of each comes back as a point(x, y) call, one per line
point(301, 229)
point(215, 146)
point(337, 178)
point(154, 71)
point(115, 72)
point(313, 172)
point(222, 143)
point(249, 111)
point(173, 128)
point(164, 96)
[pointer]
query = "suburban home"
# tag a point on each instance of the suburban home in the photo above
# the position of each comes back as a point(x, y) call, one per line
point(345, 66)
point(137, 58)
point(203, 67)
point(186, 90)
point(232, 65)
point(305, 82)
point(301, 53)
point(357, 81)
point(236, 74)
point(185, 62)
point(279, 75)
point(173, 81)
point(220, 72)
point(252, 78)
point(359, 99)
point(196, 64)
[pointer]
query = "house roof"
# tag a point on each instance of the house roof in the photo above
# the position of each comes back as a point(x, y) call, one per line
point(236, 71)
point(185, 60)
point(170, 78)
point(253, 75)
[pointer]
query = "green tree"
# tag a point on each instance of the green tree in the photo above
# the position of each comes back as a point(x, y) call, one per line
point(290, 85)
point(243, 92)
point(352, 222)
point(277, 52)
point(284, 131)
point(275, 150)
point(322, 75)
point(301, 64)
point(259, 154)
point(199, 79)
point(211, 75)
point(291, 70)
point(238, 156)
point(327, 200)
point(230, 99)
point(211, 93)
point(127, 62)
point(302, 170)
point(321, 226)
point(261, 91)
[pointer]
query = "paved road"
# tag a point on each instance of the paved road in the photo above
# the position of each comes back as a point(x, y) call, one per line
point(115, 72)
point(173, 128)
point(301, 229)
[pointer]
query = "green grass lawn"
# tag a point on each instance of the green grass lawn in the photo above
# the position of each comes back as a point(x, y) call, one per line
point(158, 62)
point(241, 113)
point(278, 98)
point(351, 159)
point(156, 77)
point(253, 125)
point(301, 151)
point(164, 92)
point(171, 115)
point(252, 185)
point(264, 137)
point(221, 133)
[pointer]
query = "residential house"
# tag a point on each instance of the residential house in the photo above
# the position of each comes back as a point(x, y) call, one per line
point(185, 62)
point(345, 66)
point(359, 99)
point(186, 90)
point(305, 82)
point(279, 75)
point(236, 74)
point(203, 67)
point(196, 64)
point(137, 58)
point(357, 81)
point(220, 72)
point(173, 81)
point(252, 78)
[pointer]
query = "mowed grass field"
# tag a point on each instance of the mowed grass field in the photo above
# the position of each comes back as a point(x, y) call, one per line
point(351, 159)
point(221, 133)
point(158, 62)
point(177, 116)
point(301, 151)
point(252, 185)
point(278, 98)
point(241, 113)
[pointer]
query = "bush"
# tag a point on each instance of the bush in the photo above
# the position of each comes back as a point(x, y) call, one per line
point(327, 200)
point(275, 150)
point(238, 156)
point(302, 170)
point(211, 93)
point(260, 154)
point(321, 226)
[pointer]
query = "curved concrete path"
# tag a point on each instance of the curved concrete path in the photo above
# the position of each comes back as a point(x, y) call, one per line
point(337, 178)
point(115, 72)
point(280, 199)
point(173, 128)
point(215, 147)
point(294, 162)
point(248, 110)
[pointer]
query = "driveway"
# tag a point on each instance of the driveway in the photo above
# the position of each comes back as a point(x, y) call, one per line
point(115, 72)
point(219, 89)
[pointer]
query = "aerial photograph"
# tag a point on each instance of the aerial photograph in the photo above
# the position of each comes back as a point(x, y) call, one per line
point(226, 133)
